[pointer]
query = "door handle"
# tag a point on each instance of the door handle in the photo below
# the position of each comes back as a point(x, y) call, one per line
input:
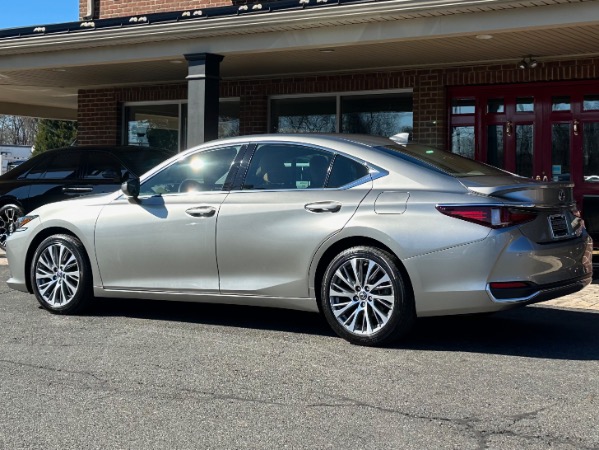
point(77, 190)
point(201, 211)
point(320, 207)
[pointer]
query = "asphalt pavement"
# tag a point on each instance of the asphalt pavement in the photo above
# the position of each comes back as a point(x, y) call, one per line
point(133, 374)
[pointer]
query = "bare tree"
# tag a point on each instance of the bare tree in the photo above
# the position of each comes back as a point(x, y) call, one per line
point(17, 130)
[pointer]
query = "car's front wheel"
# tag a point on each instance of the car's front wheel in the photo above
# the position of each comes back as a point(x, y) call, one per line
point(9, 216)
point(364, 297)
point(61, 275)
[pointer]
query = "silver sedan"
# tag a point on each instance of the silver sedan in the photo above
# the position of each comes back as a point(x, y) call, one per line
point(371, 233)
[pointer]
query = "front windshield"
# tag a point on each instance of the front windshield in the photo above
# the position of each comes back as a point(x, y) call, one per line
point(450, 163)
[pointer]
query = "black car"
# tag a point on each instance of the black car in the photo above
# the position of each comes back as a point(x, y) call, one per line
point(69, 172)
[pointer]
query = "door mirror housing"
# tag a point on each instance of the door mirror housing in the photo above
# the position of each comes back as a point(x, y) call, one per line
point(131, 187)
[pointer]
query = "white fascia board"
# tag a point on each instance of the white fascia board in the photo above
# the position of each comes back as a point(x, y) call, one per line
point(241, 34)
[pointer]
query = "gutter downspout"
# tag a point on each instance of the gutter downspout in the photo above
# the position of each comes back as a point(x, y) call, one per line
point(90, 10)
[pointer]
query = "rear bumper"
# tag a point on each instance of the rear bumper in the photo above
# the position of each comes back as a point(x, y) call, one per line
point(538, 293)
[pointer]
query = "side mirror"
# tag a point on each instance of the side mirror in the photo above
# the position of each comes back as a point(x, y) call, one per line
point(131, 187)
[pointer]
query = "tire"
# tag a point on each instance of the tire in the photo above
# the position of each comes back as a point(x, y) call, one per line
point(364, 297)
point(61, 275)
point(9, 215)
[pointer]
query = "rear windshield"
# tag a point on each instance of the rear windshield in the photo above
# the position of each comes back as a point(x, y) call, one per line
point(144, 159)
point(446, 162)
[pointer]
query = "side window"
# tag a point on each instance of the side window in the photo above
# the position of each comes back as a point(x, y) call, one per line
point(287, 166)
point(103, 166)
point(63, 166)
point(38, 169)
point(345, 171)
point(202, 171)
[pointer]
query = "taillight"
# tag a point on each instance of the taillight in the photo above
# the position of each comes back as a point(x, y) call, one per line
point(489, 216)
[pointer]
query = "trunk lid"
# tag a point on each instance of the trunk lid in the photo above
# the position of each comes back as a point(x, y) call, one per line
point(557, 215)
point(541, 194)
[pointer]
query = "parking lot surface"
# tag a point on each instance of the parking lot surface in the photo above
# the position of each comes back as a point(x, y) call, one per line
point(137, 375)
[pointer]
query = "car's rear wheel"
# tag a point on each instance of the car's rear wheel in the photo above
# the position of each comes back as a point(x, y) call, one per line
point(364, 297)
point(61, 275)
point(9, 216)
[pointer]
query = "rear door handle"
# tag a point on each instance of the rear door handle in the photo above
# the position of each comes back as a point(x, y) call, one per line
point(77, 190)
point(321, 207)
point(201, 211)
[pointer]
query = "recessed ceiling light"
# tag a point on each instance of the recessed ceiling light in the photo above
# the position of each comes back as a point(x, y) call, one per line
point(176, 61)
point(484, 37)
point(326, 50)
point(59, 70)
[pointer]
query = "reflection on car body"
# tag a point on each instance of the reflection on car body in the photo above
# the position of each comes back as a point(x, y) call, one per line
point(371, 233)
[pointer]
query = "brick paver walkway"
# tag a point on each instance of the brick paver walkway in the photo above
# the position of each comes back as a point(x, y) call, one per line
point(588, 298)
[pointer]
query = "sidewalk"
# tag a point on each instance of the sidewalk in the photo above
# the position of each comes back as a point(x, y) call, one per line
point(588, 298)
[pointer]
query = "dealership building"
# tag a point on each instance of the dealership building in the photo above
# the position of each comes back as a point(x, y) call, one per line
point(511, 83)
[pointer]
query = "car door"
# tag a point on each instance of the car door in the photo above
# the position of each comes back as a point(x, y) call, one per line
point(165, 239)
point(293, 198)
point(56, 179)
point(102, 173)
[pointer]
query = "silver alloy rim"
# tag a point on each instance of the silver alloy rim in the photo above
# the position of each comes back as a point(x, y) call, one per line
point(362, 296)
point(8, 223)
point(57, 275)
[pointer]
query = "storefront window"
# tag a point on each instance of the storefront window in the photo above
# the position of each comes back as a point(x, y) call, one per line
point(560, 103)
point(590, 152)
point(228, 118)
point(154, 125)
point(560, 152)
point(165, 125)
point(380, 115)
point(591, 102)
point(463, 106)
point(495, 147)
point(524, 150)
point(303, 115)
point(525, 104)
point(495, 106)
point(462, 141)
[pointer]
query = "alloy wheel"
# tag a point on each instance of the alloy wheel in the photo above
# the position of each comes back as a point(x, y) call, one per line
point(9, 216)
point(361, 296)
point(57, 275)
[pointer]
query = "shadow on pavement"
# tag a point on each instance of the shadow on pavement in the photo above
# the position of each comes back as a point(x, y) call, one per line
point(534, 331)
point(212, 314)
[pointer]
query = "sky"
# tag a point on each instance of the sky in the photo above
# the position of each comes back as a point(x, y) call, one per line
point(23, 13)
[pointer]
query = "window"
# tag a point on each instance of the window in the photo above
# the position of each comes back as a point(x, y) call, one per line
point(303, 115)
point(288, 166)
point(154, 125)
point(346, 171)
point(380, 113)
point(65, 165)
point(202, 171)
point(102, 166)
point(462, 141)
point(164, 125)
point(463, 106)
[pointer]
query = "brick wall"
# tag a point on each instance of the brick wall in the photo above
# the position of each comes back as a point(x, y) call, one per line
point(100, 121)
point(105, 9)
